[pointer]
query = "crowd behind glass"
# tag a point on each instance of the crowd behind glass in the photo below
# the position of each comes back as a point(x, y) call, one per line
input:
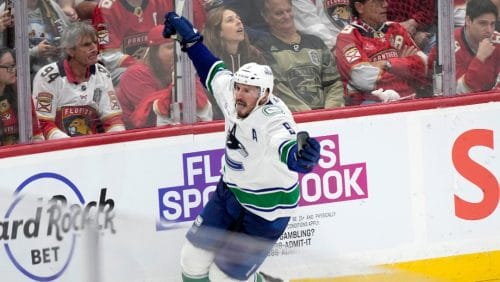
point(104, 66)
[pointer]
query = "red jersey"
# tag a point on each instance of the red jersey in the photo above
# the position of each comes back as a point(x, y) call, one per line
point(142, 97)
point(473, 75)
point(10, 125)
point(66, 107)
point(138, 81)
point(358, 45)
point(122, 29)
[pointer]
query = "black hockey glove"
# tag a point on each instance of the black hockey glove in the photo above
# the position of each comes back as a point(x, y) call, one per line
point(304, 159)
point(186, 33)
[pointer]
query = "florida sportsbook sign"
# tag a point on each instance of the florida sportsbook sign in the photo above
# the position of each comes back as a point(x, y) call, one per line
point(330, 181)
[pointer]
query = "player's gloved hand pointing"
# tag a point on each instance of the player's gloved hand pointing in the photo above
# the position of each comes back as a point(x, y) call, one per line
point(303, 161)
point(186, 33)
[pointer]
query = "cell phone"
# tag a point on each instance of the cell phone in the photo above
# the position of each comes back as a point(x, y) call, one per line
point(302, 137)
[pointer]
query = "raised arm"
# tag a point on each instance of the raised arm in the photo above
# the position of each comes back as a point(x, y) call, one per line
point(191, 42)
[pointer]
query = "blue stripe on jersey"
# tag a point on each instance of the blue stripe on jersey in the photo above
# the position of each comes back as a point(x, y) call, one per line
point(232, 163)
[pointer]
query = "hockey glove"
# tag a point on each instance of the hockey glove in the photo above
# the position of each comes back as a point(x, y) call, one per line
point(303, 161)
point(186, 33)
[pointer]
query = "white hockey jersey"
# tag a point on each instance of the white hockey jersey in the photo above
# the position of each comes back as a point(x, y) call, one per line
point(67, 108)
point(256, 151)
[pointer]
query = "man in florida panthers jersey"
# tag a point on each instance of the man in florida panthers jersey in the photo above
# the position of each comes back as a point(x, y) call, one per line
point(477, 49)
point(374, 56)
point(72, 97)
point(259, 186)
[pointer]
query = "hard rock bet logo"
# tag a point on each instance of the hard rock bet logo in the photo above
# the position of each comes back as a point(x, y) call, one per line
point(44, 222)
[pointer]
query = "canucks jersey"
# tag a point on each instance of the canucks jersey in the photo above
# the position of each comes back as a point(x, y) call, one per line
point(256, 151)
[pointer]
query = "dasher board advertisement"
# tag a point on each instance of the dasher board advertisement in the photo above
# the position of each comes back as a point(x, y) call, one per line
point(389, 189)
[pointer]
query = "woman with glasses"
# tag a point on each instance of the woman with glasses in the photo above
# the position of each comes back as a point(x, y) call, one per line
point(9, 129)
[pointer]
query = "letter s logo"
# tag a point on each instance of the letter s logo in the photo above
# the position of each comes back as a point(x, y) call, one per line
point(476, 174)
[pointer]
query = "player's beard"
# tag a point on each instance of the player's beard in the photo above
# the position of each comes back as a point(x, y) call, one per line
point(242, 109)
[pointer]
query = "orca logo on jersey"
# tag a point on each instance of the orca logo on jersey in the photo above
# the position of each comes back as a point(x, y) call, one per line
point(234, 144)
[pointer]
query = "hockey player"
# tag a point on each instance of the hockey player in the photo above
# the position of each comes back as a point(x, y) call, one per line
point(259, 188)
point(477, 49)
point(75, 96)
point(378, 60)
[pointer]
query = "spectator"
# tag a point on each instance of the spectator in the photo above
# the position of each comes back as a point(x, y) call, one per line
point(477, 49)
point(249, 12)
point(46, 22)
point(6, 24)
point(322, 18)
point(74, 96)
point(377, 59)
point(305, 73)
point(418, 17)
point(9, 128)
point(146, 87)
point(224, 34)
point(122, 42)
point(459, 13)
